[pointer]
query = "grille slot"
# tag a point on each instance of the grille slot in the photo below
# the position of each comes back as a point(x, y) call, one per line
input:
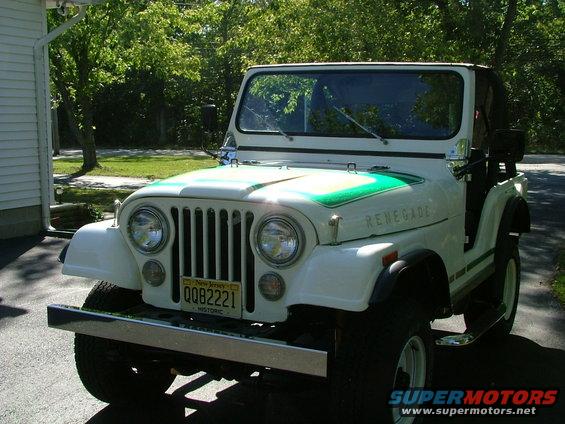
point(214, 244)
point(250, 264)
point(185, 245)
point(175, 256)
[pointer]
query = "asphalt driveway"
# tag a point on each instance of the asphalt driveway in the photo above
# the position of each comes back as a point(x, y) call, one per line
point(38, 382)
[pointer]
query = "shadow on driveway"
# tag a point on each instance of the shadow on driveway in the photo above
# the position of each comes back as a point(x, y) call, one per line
point(12, 249)
point(10, 311)
point(28, 265)
point(516, 363)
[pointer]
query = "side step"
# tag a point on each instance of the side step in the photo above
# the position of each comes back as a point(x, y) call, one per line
point(480, 327)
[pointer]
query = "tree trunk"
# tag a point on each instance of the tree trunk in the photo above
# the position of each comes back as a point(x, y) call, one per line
point(227, 68)
point(160, 111)
point(502, 43)
point(89, 159)
point(162, 125)
point(68, 106)
point(84, 137)
point(56, 139)
point(446, 18)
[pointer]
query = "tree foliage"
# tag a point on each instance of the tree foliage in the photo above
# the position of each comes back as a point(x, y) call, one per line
point(143, 67)
point(117, 40)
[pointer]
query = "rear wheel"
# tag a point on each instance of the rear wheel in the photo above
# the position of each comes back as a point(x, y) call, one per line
point(381, 352)
point(503, 286)
point(106, 367)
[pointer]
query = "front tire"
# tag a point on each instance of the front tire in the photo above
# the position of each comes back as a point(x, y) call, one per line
point(105, 366)
point(381, 352)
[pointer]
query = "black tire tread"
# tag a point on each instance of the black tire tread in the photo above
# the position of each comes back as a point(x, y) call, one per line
point(106, 380)
point(370, 341)
point(108, 297)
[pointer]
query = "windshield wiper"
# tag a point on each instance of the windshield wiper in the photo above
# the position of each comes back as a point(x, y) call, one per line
point(272, 123)
point(285, 135)
point(364, 128)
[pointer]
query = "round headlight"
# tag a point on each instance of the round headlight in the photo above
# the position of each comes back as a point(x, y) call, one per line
point(147, 229)
point(279, 240)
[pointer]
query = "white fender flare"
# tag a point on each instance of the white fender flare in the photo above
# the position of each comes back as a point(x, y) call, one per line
point(99, 251)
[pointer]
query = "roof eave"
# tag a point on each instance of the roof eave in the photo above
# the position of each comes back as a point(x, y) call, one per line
point(53, 4)
point(408, 64)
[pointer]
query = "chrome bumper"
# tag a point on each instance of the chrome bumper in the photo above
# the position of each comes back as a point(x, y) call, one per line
point(165, 335)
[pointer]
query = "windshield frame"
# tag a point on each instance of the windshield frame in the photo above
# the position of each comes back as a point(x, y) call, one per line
point(281, 71)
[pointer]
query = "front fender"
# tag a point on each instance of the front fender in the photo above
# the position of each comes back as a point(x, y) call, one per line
point(340, 277)
point(99, 251)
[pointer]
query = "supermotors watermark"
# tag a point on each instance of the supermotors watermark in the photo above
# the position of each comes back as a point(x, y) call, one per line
point(415, 402)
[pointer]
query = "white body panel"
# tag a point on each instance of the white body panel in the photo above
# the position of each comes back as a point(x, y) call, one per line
point(339, 277)
point(485, 242)
point(99, 251)
point(427, 212)
point(392, 210)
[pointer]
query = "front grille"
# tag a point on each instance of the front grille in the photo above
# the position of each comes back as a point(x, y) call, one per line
point(214, 244)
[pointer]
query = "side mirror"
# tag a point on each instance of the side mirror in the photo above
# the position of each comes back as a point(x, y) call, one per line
point(508, 145)
point(209, 118)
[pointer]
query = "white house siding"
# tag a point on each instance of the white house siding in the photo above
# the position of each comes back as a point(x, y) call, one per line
point(22, 22)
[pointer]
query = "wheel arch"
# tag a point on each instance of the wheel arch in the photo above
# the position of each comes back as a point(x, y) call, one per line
point(397, 280)
point(515, 219)
point(517, 215)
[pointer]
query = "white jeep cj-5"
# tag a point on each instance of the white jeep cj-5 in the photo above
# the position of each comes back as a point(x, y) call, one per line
point(355, 203)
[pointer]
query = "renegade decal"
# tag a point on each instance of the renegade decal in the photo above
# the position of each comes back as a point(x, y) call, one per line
point(397, 216)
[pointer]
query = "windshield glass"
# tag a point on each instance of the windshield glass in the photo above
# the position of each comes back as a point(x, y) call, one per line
point(400, 104)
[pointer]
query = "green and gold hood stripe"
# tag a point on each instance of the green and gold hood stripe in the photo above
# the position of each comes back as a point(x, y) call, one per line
point(328, 188)
point(380, 184)
point(335, 189)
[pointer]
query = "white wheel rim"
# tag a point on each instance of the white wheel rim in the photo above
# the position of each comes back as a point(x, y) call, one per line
point(510, 286)
point(410, 372)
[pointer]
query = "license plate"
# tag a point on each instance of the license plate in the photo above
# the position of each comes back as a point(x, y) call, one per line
point(211, 297)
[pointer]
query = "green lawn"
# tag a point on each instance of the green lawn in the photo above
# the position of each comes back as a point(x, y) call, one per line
point(102, 199)
point(137, 166)
point(559, 282)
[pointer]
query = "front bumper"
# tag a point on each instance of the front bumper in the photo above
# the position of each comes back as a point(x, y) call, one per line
point(170, 334)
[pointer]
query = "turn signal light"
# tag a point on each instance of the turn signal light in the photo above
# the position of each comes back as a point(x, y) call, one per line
point(389, 258)
point(153, 272)
point(271, 286)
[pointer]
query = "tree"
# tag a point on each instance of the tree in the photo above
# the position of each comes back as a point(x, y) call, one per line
point(224, 42)
point(502, 43)
point(83, 59)
point(156, 41)
point(164, 58)
point(116, 36)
